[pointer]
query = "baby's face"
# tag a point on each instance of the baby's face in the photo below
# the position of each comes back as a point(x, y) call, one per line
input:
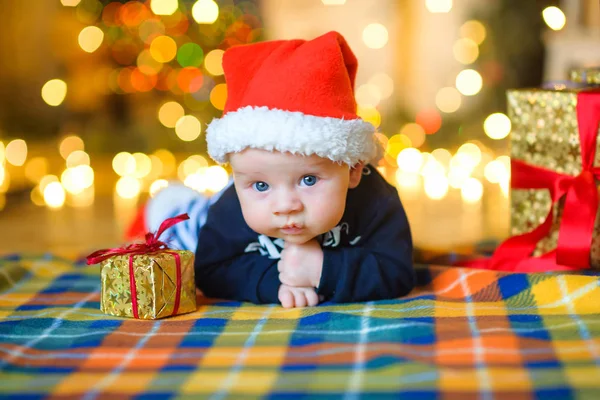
point(291, 197)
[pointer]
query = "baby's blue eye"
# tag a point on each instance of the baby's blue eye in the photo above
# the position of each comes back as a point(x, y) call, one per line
point(309, 180)
point(260, 186)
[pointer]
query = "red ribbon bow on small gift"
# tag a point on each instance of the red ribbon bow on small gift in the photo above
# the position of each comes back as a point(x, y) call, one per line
point(151, 245)
point(580, 208)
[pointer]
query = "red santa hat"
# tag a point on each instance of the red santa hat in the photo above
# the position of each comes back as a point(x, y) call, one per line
point(293, 96)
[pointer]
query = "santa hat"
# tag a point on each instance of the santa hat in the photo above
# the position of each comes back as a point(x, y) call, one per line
point(293, 96)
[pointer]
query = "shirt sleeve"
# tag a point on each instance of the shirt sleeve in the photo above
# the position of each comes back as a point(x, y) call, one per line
point(378, 267)
point(224, 269)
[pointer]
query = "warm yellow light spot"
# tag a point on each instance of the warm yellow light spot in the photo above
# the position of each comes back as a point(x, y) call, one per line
point(35, 169)
point(367, 95)
point(495, 171)
point(90, 38)
point(333, 2)
point(383, 83)
point(157, 186)
point(163, 49)
point(472, 190)
point(54, 195)
point(408, 180)
point(143, 165)
point(123, 164)
point(448, 99)
point(54, 92)
point(169, 113)
point(436, 186)
point(128, 187)
point(37, 197)
point(70, 144)
point(70, 3)
point(438, 6)
point(191, 165)
point(458, 176)
point(75, 180)
point(78, 157)
point(164, 7)
point(472, 151)
point(497, 126)
point(45, 181)
point(469, 82)
point(415, 133)
point(465, 51)
point(205, 11)
point(396, 144)
point(168, 161)
point(554, 18)
point(16, 152)
point(147, 64)
point(196, 181)
point(188, 128)
point(375, 36)
point(216, 178)
point(410, 160)
point(369, 114)
point(473, 30)
point(442, 156)
point(213, 62)
point(4, 179)
point(2, 153)
point(218, 96)
point(83, 199)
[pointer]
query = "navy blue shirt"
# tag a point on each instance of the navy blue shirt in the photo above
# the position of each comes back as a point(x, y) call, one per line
point(367, 256)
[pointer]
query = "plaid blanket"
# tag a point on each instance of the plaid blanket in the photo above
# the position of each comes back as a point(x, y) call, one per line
point(462, 334)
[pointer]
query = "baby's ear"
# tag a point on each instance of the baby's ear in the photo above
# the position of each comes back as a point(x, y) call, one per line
point(355, 174)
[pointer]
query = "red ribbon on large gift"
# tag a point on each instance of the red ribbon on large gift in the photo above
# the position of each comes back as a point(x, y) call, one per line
point(151, 245)
point(580, 208)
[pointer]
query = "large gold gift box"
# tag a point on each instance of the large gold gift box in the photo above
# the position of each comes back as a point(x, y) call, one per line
point(545, 134)
point(155, 284)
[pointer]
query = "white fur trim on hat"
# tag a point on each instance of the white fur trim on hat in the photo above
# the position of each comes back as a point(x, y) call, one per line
point(340, 140)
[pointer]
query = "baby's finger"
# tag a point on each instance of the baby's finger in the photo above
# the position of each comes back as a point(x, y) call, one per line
point(299, 298)
point(312, 298)
point(287, 299)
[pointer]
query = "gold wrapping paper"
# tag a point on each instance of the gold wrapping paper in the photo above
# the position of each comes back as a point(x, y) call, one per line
point(586, 75)
point(545, 134)
point(155, 278)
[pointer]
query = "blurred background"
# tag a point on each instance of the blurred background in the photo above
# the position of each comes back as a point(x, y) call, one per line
point(103, 103)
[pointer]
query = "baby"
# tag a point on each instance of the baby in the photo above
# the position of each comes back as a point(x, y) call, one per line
point(308, 218)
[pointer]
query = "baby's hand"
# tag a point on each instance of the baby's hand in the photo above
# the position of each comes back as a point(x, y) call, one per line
point(301, 264)
point(291, 296)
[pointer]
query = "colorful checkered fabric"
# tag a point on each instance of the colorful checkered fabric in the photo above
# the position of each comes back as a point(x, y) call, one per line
point(463, 334)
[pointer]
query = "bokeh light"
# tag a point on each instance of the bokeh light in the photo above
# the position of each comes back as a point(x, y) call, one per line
point(70, 144)
point(473, 30)
point(438, 6)
point(143, 165)
point(333, 2)
point(368, 95)
point(157, 186)
point(472, 190)
point(469, 82)
point(164, 7)
point(123, 164)
point(163, 49)
point(383, 83)
point(497, 126)
point(78, 157)
point(415, 133)
point(465, 51)
point(436, 186)
point(168, 161)
point(16, 152)
point(213, 62)
point(70, 3)
point(169, 113)
point(54, 92)
point(448, 99)
point(54, 195)
point(128, 187)
point(375, 36)
point(218, 96)
point(90, 38)
point(554, 18)
point(369, 114)
point(205, 11)
point(188, 128)
point(410, 160)
point(190, 55)
point(429, 119)
point(216, 178)
point(35, 169)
